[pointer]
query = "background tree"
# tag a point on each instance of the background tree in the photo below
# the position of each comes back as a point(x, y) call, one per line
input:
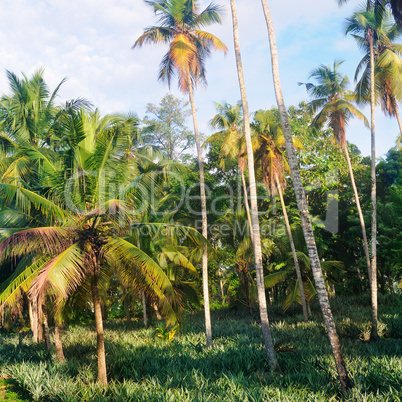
point(165, 128)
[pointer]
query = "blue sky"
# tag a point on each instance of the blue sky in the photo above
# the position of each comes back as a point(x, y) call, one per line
point(89, 41)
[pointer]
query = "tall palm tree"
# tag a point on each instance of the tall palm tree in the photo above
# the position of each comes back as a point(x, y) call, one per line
point(262, 302)
point(268, 143)
point(374, 33)
point(229, 120)
point(303, 210)
point(189, 46)
point(332, 105)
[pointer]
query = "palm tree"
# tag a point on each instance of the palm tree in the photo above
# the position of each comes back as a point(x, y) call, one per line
point(269, 142)
point(189, 46)
point(332, 105)
point(229, 120)
point(89, 222)
point(333, 270)
point(303, 210)
point(262, 302)
point(395, 5)
point(374, 33)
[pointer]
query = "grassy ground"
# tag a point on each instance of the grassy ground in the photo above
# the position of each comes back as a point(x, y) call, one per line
point(144, 368)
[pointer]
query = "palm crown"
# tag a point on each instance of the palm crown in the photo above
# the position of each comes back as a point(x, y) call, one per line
point(180, 25)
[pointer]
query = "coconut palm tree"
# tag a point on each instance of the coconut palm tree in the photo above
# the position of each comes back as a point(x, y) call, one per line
point(89, 222)
point(229, 120)
point(303, 209)
point(394, 5)
point(268, 144)
point(262, 302)
point(189, 46)
point(374, 32)
point(332, 105)
point(333, 270)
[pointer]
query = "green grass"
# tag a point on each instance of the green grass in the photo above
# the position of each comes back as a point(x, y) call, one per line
point(142, 367)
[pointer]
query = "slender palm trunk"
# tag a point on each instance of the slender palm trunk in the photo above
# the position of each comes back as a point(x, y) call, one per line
point(262, 302)
point(250, 225)
point(102, 376)
point(303, 210)
point(359, 210)
point(46, 330)
point(40, 316)
point(221, 284)
point(58, 343)
point(398, 119)
point(208, 328)
point(293, 248)
point(374, 301)
point(247, 288)
point(144, 309)
point(33, 316)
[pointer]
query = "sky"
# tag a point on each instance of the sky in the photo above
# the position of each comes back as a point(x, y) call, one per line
point(89, 42)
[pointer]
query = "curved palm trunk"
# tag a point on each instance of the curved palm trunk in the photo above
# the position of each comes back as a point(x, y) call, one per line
point(303, 210)
point(374, 301)
point(208, 328)
point(102, 376)
point(250, 225)
point(57, 342)
point(293, 248)
point(359, 210)
point(398, 119)
point(262, 302)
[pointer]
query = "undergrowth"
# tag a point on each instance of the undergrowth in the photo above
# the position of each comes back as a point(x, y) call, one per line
point(143, 367)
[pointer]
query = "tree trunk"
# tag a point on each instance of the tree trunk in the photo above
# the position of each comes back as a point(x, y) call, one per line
point(359, 209)
point(33, 317)
point(41, 338)
point(374, 301)
point(262, 302)
point(208, 328)
point(247, 288)
point(398, 119)
point(102, 376)
point(293, 248)
point(303, 210)
point(46, 330)
point(250, 225)
point(58, 343)
point(221, 284)
point(158, 315)
point(127, 303)
point(144, 309)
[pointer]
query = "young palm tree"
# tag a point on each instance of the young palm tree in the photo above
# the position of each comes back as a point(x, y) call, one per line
point(333, 270)
point(268, 144)
point(86, 239)
point(262, 302)
point(230, 121)
point(303, 210)
point(189, 46)
point(332, 105)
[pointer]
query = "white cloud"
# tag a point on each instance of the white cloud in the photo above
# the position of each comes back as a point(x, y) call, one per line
point(90, 42)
